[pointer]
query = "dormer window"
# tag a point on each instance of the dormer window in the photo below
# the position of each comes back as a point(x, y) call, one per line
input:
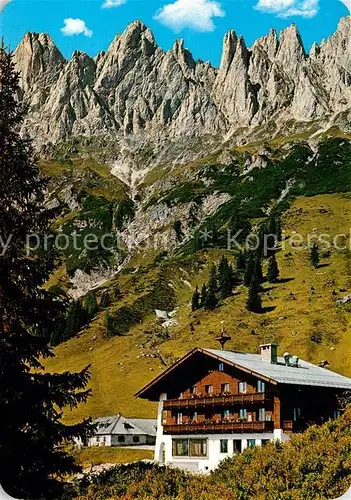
point(209, 389)
point(193, 389)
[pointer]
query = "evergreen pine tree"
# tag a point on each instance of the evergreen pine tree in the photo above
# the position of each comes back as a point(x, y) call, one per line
point(105, 300)
point(195, 302)
point(91, 305)
point(273, 270)
point(254, 303)
point(203, 295)
point(76, 318)
point(272, 225)
point(241, 261)
point(278, 224)
point(250, 268)
point(314, 255)
point(110, 325)
point(258, 273)
point(31, 402)
point(226, 277)
point(211, 300)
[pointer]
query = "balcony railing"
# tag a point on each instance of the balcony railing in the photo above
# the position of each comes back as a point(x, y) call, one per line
point(288, 425)
point(221, 427)
point(227, 400)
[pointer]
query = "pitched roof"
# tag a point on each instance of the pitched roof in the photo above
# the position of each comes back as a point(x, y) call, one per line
point(120, 425)
point(305, 374)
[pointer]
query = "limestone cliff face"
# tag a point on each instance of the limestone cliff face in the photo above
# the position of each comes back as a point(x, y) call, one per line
point(137, 89)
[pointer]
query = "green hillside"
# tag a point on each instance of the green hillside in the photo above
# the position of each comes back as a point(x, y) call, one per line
point(304, 317)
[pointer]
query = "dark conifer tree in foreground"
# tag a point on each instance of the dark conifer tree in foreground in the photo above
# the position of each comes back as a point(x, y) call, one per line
point(195, 301)
point(31, 401)
point(314, 255)
point(273, 270)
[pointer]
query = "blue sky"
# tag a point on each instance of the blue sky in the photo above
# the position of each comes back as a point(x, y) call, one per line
point(90, 25)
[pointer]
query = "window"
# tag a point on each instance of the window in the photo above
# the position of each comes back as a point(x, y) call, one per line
point(193, 389)
point(136, 439)
point(226, 413)
point(121, 439)
point(198, 447)
point(264, 441)
point(237, 445)
point(261, 386)
point(268, 417)
point(180, 447)
point(189, 447)
point(225, 388)
point(251, 443)
point(179, 418)
point(164, 417)
point(209, 389)
point(243, 413)
point(195, 416)
point(221, 367)
point(242, 387)
point(224, 445)
point(181, 395)
point(297, 414)
point(261, 414)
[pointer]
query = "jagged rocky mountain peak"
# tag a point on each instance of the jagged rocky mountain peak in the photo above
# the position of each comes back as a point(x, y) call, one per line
point(136, 88)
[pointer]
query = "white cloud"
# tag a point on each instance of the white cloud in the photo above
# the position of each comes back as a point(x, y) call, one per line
point(3, 3)
point(75, 27)
point(347, 3)
point(194, 14)
point(289, 8)
point(113, 3)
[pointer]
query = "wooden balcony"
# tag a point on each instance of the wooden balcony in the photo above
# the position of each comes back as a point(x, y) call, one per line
point(288, 425)
point(227, 400)
point(218, 428)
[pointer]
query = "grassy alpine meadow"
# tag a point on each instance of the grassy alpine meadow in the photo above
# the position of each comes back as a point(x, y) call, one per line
point(302, 305)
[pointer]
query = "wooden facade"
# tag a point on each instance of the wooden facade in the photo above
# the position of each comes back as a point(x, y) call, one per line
point(214, 404)
point(211, 396)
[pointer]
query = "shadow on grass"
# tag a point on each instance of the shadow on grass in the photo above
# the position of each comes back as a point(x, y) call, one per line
point(268, 309)
point(285, 280)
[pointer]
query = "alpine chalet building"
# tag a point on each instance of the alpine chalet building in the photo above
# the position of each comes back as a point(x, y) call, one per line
point(215, 403)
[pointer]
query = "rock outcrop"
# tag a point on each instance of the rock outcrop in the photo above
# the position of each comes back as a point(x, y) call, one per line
point(135, 88)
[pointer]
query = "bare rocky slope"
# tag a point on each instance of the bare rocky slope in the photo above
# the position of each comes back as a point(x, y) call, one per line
point(136, 89)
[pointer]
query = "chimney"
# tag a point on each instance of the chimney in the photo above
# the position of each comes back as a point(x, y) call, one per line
point(269, 352)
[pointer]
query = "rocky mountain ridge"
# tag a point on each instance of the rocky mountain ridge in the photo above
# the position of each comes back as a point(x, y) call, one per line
point(136, 89)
